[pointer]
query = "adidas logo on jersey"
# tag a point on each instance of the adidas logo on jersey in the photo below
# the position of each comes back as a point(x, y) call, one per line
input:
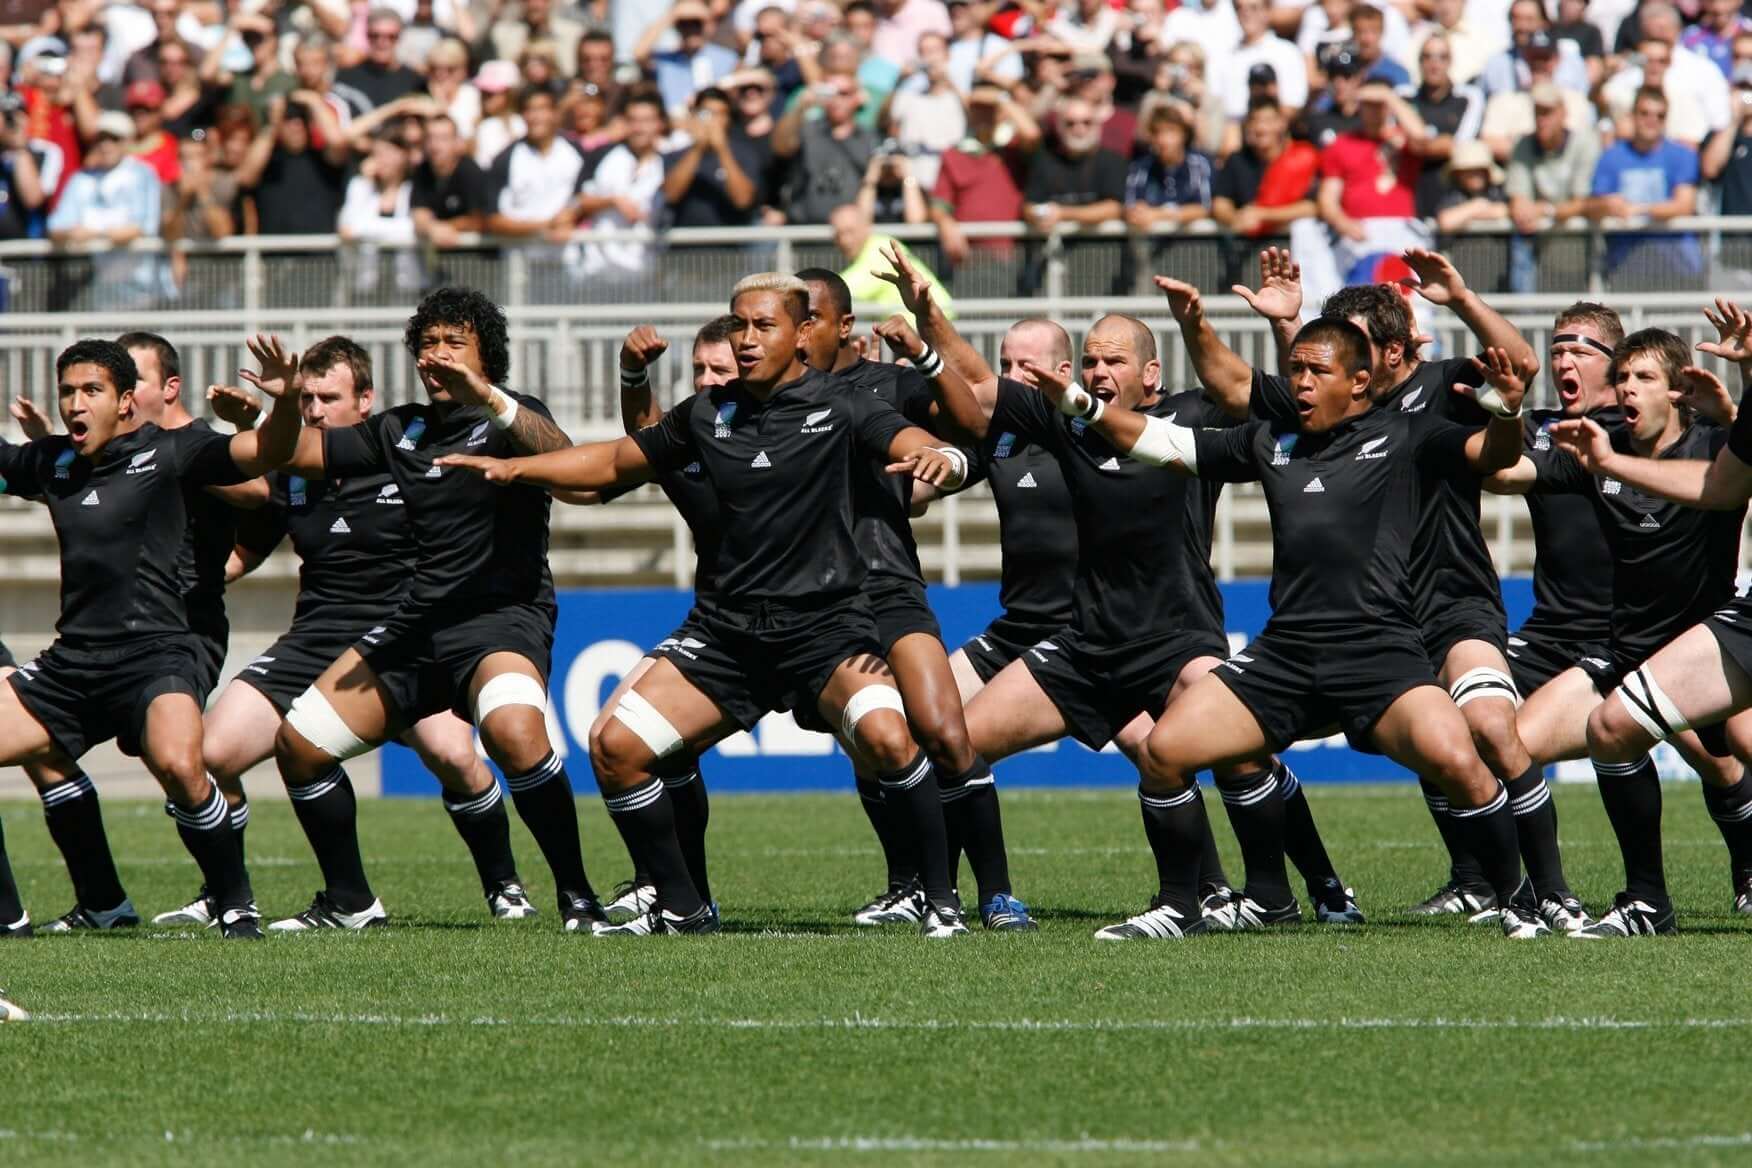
point(434, 471)
point(390, 495)
point(1372, 449)
point(142, 462)
point(1610, 486)
point(1650, 523)
point(1112, 463)
point(1027, 480)
point(339, 527)
point(1314, 487)
point(761, 461)
point(478, 435)
point(812, 423)
point(89, 500)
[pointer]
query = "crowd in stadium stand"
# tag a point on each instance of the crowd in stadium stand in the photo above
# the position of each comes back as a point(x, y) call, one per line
point(389, 121)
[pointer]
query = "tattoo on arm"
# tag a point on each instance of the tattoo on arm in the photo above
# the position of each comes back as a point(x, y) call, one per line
point(535, 434)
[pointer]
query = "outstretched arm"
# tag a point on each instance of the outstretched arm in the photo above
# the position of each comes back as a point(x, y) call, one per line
point(591, 467)
point(974, 381)
point(1722, 484)
point(1148, 439)
point(1497, 447)
point(275, 444)
point(1225, 376)
point(1440, 282)
point(529, 429)
point(917, 452)
point(1519, 479)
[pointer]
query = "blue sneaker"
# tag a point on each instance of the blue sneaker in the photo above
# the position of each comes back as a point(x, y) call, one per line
point(1003, 913)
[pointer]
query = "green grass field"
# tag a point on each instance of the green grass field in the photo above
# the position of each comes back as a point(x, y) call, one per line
point(447, 1039)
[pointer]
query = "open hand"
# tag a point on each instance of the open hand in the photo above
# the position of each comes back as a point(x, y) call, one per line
point(1703, 392)
point(915, 290)
point(1438, 280)
point(1584, 438)
point(233, 404)
point(444, 372)
point(494, 470)
point(1280, 286)
point(1183, 299)
point(1503, 386)
point(279, 375)
point(30, 419)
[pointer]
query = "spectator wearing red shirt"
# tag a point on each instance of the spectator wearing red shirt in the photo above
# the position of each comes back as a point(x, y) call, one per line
point(152, 145)
point(1368, 185)
point(980, 180)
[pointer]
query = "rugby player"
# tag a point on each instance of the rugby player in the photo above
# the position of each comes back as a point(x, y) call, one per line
point(909, 637)
point(354, 548)
point(789, 626)
point(123, 665)
point(1345, 483)
point(1459, 603)
point(1148, 615)
point(14, 921)
point(472, 634)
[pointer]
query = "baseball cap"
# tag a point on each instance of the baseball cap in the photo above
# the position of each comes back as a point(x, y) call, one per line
point(1545, 95)
point(1262, 74)
point(144, 94)
point(1344, 62)
point(1539, 43)
point(690, 10)
point(745, 77)
point(498, 77)
point(115, 124)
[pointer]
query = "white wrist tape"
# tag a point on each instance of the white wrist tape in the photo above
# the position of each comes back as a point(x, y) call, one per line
point(503, 411)
point(957, 462)
point(1164, 443)
point(928, 363)
point(1488, 397)
point(1078, 402)
point(634, 378)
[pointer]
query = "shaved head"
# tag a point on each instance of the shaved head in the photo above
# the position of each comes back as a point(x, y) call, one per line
point(1047, 333)
point(1143, 339)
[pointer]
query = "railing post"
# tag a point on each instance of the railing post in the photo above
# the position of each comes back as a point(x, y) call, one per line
point(681, 539)
point(952, 540)
point(254, 284)
point(1055, 265)
point(516, 277)
point(785, 255)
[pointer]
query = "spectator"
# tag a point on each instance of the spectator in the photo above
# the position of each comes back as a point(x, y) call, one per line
point(420, 37)
point(378, 210)
point(830, 153)
point(234, 132)
point(199, 206)
point(262, 80)
point(1368, 185)
point(1550, 179)
point(900, 24)
point(1137, 53)
point(1091, 78)
point(42, 67)
point(500, 123)
point(1334, 21)
point(113, 199)
point(22, 191)
point(848, 52)
point(745, 19)
point(1171, 183)
point(1572, 25)
point(585, 122)
point(925, 122)
point(716, 180)
point(450, 193)
point(1182, 80)
point(313, 69)
point(862, 249)
point(1451, 114)
point(1727, 159)
point(1339, 109)
point(143, 63)
point(536, 176)
point(188, 105)
point(1475, 189)
point(539, 64)
point(626, 192)
point(447, 81)
point(1694, 73)
point(1648, 176)
point(1075, 180)
point(753, 91)
point(1085, 26)
point(1719, 22)
point(381, 77)
point(774, 50)
point(535, 21)
point(1469, 45)
point(1270, 182)
point(296, 185)
point(980, 179)
point(1369, 35)
point(596, 66)
point(695, 63)
point(890, 192)
point(1510, 69)
point(86, 51)
point(151, 145)
point(1210, 24)
point(1653, 69)
point(978, 55)
point(1324, 26)
point(1508, 116)
point(1260, 46)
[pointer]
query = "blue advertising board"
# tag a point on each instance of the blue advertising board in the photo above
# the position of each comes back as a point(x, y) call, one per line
point(603, 632)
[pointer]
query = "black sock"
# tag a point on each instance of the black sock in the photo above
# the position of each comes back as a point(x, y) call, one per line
point(1211, 876)
point(11, 907)
point(1176, 826)
point(1256, 813)
point(1731, 808)
point(890, 833)
point(75, 822)
point(207, 833)
point(693, 811)
point(975, 825)
point(1536, 828)
point(543, 796)
point(329, 814)
point(913, 795)
point(1302, 842)
point(1631, 792)
point(645, 817)
point(1488, 835)
point(1463, 867)
point(240, 821)
point(485, 828)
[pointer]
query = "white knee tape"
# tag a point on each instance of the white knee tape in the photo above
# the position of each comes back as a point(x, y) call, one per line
point(1484, 682)
point(509, 689)
point(647, 724)
point(1649, 706)
point(313, 717)
point(871, 697)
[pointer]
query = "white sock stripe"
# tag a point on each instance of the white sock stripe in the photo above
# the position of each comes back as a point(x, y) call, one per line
point(206, 817)
point(544, 770)
point(1437, 803)
point(1168, 802)
point(1619, 768)
point(314, 790)
point(636, 799)
point(1288, 783)
point(1732, 814)
point(485, 801)
point(911, 779)
point(955, 794)
point(1496, 804)
point(1531, 801)
point(676, 783)
point(68, 791)
point(240, 816)
point(1248, 796)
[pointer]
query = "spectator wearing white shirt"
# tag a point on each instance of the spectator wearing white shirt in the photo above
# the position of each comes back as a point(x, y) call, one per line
point(1470, 46)
point(378, 210)
point(1686, 121)
point(447, 81)
point(1087, 26)
point(1260, 46)
point(925, 124)
point(1328, 22)
point(114, 199)
point(1211, 24)
point(1689, 73)
point(500, 124)
point(975, 50)
point(1510, 69)
point(624, 193)
point(536, 176)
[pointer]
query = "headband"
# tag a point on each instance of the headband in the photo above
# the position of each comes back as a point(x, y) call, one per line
point(1579, 339)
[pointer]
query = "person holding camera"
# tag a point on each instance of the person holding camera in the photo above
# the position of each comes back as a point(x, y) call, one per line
point(829, 154)
point(890, 192)
point(1727, 156)
point(924, 114)
point(716, 181)
point(21, 186)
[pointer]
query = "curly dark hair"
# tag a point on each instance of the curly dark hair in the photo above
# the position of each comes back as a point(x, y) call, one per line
point(465, 306)
point(111, 357)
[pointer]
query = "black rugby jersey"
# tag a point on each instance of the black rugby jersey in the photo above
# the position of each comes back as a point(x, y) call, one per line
point(782, 473)
point(1572, 563)
point(1345, 507)
point(1673, 565)
point(1037, 530)
point(474, 542)
point(353, 541)
point(212, 532)
point(121, 520)
point(1143, 531)
point(881, 501)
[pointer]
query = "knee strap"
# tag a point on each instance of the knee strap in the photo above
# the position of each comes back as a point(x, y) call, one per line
point(1484, 682)
point(509, 689)
point(647, 724)
point(866, 700)
point(313, 717)
point(1649, 706)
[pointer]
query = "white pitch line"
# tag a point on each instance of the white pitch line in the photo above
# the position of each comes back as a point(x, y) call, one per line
point(1663, 1143)
point(923, 1144)
point(861, 1023)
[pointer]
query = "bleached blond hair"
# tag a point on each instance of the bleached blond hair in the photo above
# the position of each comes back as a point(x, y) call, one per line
point(794, 291)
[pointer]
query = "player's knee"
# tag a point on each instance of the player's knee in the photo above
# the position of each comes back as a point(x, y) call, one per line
point(943, 736)
point(618, 755)
point(299, 760)
point(1613, 736)
point(885, 740)
point(452, 763)
point(1160, 767)
point(1454, 765)
point(516, 738)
